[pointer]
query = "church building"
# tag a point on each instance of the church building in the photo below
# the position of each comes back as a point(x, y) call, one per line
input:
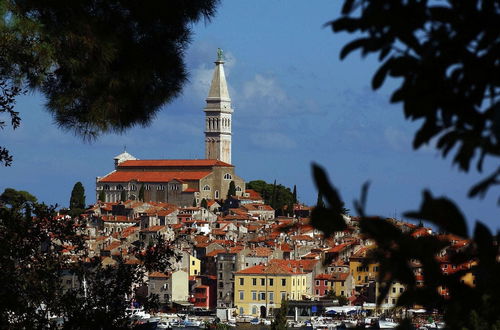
point(182, 181)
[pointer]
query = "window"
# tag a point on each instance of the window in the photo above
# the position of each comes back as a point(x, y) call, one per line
point(359, 277)
point(238, 188)
point(393, 290)
point(220, 275)
point(221, 285)
point(262, 295)
point(119, 187)
point(375, 268)
point(303, 281)
point(133, 187)
point(254, 281)
point(196, 272)
point(293, 282)
point(283, 295)
point(254, 295)
point(271, 296)
point(242, 311)
point(283, 281)
point(206, 188)
point(216, 194)
point(220, 266)
point(227, 176)
point(106, 187)
point(220, 294)
point(254, 310)
point(271, 282)
point(147, 187)
point(160, 187)
point(192, 262)
point(242, 281)
point(342, 293)
point(393, 301)
point(317, 282)
point(401, 290)
point(342, 283)
point(262, 281)
point(242, 295)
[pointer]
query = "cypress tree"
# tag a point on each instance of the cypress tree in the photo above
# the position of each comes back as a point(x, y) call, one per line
point(232, 190)
point(141, 193)
point(194, 202)
point(77, 200)
point(123, 196)
point(273, 196)
point(204, 203)
point(294, 194)
point(102, 196)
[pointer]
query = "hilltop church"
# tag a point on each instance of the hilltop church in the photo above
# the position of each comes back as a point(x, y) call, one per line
point(182, 181)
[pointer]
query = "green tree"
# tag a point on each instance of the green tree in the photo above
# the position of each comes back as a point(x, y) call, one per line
point(204, 203)
point(294, 194)
point(232, 189)
point(31, 242)
point(123, 196)
point(16, 198)
point(102, 196)
point(194, 202)
point(280, 320)
point(141, 193)
point(101, 66)
point(77, 200)
point(282, 195)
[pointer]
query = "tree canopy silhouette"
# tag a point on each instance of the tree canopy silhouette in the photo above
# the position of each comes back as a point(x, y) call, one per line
point(447, 56)
point(102, 65)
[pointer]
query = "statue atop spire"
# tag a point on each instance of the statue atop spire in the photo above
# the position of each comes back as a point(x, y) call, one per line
point(220, 55)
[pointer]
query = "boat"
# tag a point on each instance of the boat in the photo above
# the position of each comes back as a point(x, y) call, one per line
point(350, 323)
point(265, 322)
point(255, 321)
point(387, 324)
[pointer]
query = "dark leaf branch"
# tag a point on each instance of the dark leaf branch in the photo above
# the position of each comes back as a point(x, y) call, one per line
point(446, 55)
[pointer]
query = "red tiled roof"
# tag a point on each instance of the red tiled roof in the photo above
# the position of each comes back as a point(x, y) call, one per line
point(157, 274)
point(173, 163)
point(272, 268)
point(154, 176)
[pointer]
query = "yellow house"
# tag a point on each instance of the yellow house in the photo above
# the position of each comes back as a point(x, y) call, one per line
point(260, 289)
point(194, 266)
point(362, 273)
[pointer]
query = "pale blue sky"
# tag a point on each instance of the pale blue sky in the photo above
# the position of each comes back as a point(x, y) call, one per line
point(295, 102)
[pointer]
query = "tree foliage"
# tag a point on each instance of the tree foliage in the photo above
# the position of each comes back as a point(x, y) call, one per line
point(102, 196)
point(275, 195)
point(77, 200)
point(204, 203)
point(141, 193)
point(232, 189)
point(280, 320)
point(446, 55)
point(102, 65)
point(31, 242)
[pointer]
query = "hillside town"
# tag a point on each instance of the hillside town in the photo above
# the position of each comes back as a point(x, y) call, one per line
point(236, 259)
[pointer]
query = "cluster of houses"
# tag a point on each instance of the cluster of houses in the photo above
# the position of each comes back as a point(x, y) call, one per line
point(240, 257)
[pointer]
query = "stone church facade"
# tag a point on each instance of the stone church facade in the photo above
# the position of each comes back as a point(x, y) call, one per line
point(182, 181)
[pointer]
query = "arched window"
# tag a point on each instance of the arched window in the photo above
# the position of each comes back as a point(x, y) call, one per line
point(216, 194)
point(119, 187)
point(238, 188)
point(106, 187)
point(206, 187)
point(160, 187)
point(147, 187)
point(228, 176)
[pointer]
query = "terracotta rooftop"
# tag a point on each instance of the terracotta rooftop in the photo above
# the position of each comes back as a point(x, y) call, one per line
point(173, 163)
point(154, 176)
point(271, 269)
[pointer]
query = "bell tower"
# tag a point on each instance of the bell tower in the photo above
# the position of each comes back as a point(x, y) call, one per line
point(218, 113)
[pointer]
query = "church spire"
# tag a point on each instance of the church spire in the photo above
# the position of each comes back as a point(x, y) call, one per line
point(218, 113)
